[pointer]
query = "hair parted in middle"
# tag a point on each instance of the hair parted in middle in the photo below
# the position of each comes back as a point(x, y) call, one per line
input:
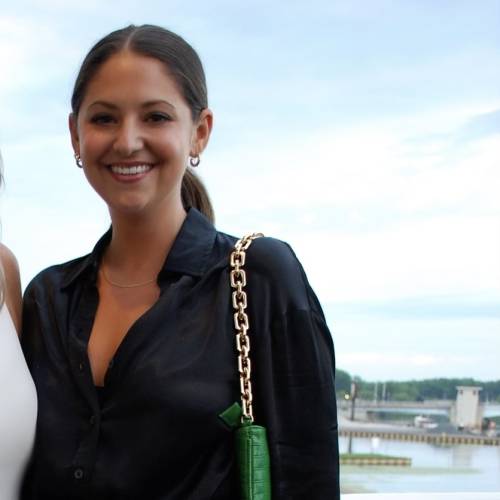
point(182, 63)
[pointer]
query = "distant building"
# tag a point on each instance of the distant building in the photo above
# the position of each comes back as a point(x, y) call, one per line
point(467, 412)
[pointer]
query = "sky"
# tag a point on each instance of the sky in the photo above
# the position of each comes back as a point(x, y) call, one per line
point(364, 133)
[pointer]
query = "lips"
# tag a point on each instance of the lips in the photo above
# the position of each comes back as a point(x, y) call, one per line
point(130, 170)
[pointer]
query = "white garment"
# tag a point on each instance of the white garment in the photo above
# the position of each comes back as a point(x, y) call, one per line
point(18, 408)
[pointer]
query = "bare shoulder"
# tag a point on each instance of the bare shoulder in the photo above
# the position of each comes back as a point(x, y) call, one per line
point(13, 284)
point(8, 259)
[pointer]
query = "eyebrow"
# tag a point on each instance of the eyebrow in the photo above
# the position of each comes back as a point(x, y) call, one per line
point(158, 101)
point(144, 105)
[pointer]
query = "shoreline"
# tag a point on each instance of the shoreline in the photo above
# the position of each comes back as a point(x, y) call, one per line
point(348, 428)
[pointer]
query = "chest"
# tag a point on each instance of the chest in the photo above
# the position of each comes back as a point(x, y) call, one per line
point(173, 372)
point(173, 348)
point(118, 309)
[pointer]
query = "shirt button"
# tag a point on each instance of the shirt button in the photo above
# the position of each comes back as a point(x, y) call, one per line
point(80, 366)
point(78, 473)
point(92, 419)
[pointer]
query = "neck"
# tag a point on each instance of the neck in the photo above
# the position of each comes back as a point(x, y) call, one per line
point(140, 244)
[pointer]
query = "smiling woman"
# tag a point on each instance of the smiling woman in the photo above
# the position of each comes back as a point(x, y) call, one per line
point(182, 76)
point(132, 347)
point(133, 138)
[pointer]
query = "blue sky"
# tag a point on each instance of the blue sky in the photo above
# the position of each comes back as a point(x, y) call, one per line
point(365, 133)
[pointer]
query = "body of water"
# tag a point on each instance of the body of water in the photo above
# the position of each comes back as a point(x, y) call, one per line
point(435, 468)
point(491, 410)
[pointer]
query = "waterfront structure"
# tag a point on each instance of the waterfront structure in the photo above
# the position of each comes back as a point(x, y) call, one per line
point(423, 496)
point(467, 413)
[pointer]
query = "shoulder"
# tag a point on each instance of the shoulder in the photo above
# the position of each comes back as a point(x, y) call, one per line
point(12, 283)
point(273, 271)
point(273, 257)
point(9, 262)
point(56, 277)
point(272, 263)
point(265, 255)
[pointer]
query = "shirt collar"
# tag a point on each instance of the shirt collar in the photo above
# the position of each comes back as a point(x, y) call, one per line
point(189, 254)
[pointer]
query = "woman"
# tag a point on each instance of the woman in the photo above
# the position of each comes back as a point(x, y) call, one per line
point(132, 346)
point(17, 391)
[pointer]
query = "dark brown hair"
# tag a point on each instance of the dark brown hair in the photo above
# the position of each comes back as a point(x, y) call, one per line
point(182, 63)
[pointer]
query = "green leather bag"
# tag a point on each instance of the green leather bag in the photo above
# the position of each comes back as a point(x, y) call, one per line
point(252, 453)
point(253, 461)
point(252, 449)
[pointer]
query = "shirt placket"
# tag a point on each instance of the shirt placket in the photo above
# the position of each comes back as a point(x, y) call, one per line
point(84, 459)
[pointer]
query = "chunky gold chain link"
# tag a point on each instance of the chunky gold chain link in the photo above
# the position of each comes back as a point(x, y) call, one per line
point(241, 323)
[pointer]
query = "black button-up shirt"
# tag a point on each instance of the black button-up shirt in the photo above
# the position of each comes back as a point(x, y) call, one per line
point(154, 432)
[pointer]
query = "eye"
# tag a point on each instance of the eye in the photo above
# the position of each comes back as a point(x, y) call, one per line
point(157, 117)
point(102, 118)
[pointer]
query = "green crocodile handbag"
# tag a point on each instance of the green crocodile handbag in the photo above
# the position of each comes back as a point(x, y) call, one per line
point(252, 449)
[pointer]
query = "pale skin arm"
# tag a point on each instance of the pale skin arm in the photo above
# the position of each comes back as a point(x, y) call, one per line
point(13, 297)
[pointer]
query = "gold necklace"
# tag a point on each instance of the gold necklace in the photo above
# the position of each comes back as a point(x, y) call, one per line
point(119, 285)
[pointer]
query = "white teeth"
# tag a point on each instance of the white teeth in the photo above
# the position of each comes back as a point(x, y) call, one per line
point(138, 169)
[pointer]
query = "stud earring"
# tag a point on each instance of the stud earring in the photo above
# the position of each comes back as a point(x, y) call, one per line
point(194, 161)
point(78, 161)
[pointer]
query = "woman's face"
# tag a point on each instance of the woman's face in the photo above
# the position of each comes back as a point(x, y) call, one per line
point(134, 133)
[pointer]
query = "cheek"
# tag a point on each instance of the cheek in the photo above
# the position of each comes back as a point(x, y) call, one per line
point(94, 178)
point(174, 141)
point(93, 143)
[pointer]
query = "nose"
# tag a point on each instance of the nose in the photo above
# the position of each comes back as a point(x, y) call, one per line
point(128, 139)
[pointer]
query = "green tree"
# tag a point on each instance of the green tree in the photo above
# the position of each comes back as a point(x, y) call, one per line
point(342, 383)
point(416, 390)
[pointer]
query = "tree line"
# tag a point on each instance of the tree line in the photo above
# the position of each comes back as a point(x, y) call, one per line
point(413, 390)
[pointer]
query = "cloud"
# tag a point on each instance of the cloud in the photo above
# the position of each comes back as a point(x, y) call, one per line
point(390, 214)
point(27, 50)
point(74, 7)
point(376, 160)
point(393, 364)
point(400, 358)
point(396, 360)
point(423, 308)
point(483, 125)
point(373, 165)
point(38, 64)
point(433, 256)
point(397, 365)
point(393, 347)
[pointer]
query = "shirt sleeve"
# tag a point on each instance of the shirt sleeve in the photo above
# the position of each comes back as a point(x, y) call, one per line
point(293, 375)
point(30, 337)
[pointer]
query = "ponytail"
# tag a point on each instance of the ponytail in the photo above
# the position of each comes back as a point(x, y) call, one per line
point(194, 194)
point(182, 64)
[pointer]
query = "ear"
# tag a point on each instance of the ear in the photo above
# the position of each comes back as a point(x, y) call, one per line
point(201, 132)
point(73, 130)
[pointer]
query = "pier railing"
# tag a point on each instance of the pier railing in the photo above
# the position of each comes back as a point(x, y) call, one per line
point(436, 438)
point(422, 496)
point(430, 404)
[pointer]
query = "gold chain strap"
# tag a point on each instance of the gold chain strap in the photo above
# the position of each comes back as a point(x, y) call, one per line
point(241, 323)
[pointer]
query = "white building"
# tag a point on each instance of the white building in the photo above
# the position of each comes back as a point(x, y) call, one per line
point(468, 413)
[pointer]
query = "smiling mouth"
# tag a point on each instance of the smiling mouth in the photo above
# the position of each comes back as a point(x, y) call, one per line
point(130, 170)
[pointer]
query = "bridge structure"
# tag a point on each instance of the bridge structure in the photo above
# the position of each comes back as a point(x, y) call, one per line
point(433, 406)
point(430, 407)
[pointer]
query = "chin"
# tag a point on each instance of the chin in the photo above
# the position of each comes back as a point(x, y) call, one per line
point(131, 207)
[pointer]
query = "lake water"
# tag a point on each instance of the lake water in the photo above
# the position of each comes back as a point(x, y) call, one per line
point(435, 468)
point(491, 410)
